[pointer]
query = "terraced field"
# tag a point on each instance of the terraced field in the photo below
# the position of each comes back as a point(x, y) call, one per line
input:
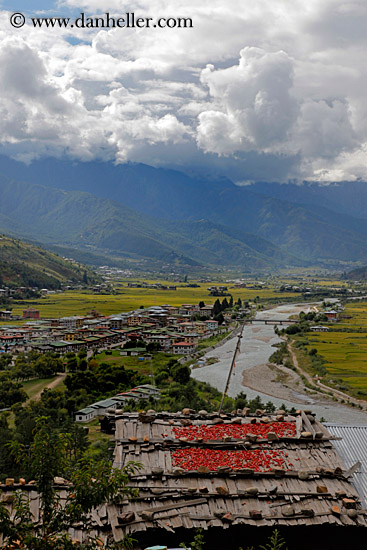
point(345, 353)
point(358, 313)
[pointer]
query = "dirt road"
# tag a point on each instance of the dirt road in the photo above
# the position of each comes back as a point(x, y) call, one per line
point(50, 386)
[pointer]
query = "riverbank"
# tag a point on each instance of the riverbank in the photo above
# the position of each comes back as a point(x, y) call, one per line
point(254, 377)
point(276, 382)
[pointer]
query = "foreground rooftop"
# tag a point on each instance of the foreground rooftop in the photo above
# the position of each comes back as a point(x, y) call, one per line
point(236, 476)
point(233, 473)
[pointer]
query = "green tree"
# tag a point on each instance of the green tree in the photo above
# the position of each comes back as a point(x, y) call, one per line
point(198, 543)
point(72, 364)
point(292, 329)
point(217, 308)
point(92, 484)
point(181, 374)
point(275, 542)
point(5, 439)
point(241, 400)
point(83, 364)
point(82, 354)
point(48, 365)
point(153, 346)
point(5, 360)
point(219, 318)
point(10, 392)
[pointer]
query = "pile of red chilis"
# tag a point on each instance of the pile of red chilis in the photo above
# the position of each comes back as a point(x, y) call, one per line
point(262, 459)
point(236, 431)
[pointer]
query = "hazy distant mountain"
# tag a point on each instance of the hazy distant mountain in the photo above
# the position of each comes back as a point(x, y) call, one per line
point(359, 274)
point(150, 212)
point(75, 218)
point(343, 197)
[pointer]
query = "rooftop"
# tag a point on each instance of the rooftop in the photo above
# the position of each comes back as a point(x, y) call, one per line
point(221, 472)
point(352, 447)
point(236, 476)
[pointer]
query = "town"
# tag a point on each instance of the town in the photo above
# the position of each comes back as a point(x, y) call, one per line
point(168, 328)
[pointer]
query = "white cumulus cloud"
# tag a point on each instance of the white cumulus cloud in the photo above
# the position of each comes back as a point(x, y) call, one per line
point(274, 84)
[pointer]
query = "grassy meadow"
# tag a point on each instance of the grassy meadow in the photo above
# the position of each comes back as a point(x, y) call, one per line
point(131, 363)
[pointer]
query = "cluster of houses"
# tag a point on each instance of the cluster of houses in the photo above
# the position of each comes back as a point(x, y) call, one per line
point(7, 292)
point(155, 286)
point(99, 409)
point(218, 291)
point(170, 327)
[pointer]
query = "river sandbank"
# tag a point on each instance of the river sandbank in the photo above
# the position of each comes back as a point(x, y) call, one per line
point(253, 375)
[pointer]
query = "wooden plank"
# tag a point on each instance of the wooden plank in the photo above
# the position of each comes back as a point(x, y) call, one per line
point(163, 525)
point(167, 461)
point(155, 432)
point(232, 485)
point(184, 517)
point(298, 426)
point(308, 424)
point(176, 505)
point(144, 430)
point(352, 470)
point(96, 518)
point(178, 520)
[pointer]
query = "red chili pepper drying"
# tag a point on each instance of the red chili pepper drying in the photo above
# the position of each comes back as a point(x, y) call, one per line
point(260, 460)
point(235, 431)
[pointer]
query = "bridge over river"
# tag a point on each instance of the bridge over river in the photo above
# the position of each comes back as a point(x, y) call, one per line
point(271, 321)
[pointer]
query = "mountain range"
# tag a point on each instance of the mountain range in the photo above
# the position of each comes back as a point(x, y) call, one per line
point(359, 274)
point(133, 212)
point(25, 264)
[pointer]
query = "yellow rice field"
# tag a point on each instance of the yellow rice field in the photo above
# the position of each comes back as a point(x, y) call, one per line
point(127, 299)
point(345, 353)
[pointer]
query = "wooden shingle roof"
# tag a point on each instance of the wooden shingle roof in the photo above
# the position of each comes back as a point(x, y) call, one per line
point(299, 479)
point(230, 473)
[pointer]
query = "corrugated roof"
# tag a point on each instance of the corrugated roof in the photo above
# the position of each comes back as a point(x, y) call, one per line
point(352, 448)
point(119, 398)
point(86, 410)
point(104, 403)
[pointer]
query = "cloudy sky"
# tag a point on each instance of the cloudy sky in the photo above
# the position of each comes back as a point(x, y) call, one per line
point(257, 89)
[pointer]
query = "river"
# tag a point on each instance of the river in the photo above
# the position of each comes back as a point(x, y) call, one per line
point(256, 347)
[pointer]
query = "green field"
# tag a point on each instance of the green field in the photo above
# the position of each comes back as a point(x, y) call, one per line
point(127, 299)
point(345, 353)
point(211, 341)
point(132, 363)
